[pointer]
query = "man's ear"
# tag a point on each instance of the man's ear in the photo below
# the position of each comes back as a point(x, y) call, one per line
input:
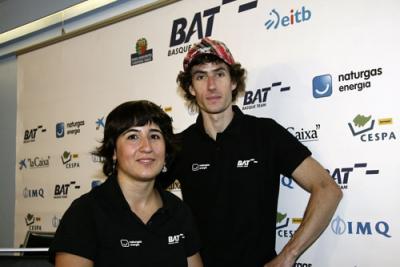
point(192, 91)
point(233, 86)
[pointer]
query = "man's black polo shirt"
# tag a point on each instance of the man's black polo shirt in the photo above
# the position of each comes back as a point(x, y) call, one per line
point(100, 226)
point(232, 186)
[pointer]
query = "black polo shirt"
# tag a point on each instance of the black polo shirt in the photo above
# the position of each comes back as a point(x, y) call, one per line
point(232, 186)
point(101, 227)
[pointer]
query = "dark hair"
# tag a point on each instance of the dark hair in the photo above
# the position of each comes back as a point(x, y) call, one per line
point(184, 79)
point(126, 115)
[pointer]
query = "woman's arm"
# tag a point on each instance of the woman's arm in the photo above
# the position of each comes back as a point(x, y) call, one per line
point(68, 260)
point(195, 261)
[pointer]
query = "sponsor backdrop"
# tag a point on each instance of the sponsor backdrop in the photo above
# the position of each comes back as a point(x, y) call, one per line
point(325, 70)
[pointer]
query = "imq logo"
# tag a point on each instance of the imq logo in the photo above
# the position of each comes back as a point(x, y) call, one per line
point(294, 17)
point(363, 127)
point(33, 193)
point(61, 190)
point(201, 24)
point(258, 98)
point(30, 135)
point(339, 226)
point(287, 181)
point(342, 175)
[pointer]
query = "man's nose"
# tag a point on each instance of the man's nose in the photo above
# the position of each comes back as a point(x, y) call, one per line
point(211, 82)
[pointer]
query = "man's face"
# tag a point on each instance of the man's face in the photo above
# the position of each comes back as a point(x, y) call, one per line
point(212, 86)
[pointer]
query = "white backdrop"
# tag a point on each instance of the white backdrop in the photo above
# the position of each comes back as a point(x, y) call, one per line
point(323, 69)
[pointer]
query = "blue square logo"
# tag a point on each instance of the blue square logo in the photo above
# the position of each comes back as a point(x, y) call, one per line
point(60, 130)
point(322, 86)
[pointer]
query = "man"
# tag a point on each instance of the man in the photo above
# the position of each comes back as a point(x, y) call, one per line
point(230, 164)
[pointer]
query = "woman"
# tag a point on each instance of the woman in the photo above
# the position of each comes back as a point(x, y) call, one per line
point(129, 220)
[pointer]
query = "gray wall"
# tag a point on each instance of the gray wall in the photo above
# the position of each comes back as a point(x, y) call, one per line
point(15, 13)
point(8, 107)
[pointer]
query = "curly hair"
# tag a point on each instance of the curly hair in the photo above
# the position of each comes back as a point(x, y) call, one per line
point(126, 115)
point(184, 79)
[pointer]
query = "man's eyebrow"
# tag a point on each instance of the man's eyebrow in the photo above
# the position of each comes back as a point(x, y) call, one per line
point(213, 70)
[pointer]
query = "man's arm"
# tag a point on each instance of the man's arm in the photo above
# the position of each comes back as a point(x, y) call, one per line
point(324, 198)
point(195, 261)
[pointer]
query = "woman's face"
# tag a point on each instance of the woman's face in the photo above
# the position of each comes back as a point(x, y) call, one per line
point(140, 152)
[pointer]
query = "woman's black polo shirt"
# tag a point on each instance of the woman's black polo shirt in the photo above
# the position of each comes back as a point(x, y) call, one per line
point(231, 185)
point(100, 226)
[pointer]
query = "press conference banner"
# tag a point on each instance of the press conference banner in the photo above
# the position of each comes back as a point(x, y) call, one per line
point(325, 70)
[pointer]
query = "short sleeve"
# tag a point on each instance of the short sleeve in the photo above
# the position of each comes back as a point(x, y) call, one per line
point(290, 151)
point(76, 232)
point(192, 238)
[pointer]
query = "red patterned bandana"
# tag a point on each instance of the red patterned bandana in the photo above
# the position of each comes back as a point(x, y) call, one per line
point(210, 47)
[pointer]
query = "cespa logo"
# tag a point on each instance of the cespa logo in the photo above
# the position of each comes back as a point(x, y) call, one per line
point(33, 222)
point(258, 98)
point(286, 227)
point(201, 23)
point(364, 127)
point(70, 160)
